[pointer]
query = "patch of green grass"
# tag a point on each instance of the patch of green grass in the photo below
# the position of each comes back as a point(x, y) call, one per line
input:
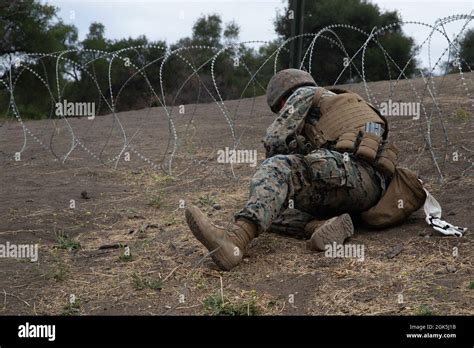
point(63, 241)
point(159, 179)
point(60, 273)
point(207, 200)
point(199, 280)
point(216, 305)
point(60, 270)
point(155, 201)
point(271, 303)
point(423, 310)
point(125, 258)
point(125, 254)
point(461, 115)
point(471, 285)
point(140, 283)
point(72, 308)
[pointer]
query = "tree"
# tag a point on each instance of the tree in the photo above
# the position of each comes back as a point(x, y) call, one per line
point(32, 27)
point(467, 48)
point(207, 30)
point(328, 57)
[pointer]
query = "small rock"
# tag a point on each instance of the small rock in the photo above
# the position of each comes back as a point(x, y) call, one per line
point(216, 207)
point(451, 268)
point(394, 251)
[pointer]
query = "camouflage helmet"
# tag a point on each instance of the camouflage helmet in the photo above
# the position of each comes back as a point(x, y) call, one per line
point(283, 83)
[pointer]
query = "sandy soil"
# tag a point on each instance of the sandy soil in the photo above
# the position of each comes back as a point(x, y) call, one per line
point(136, 204)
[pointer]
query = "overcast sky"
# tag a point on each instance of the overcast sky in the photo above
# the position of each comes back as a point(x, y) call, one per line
point(172, 20)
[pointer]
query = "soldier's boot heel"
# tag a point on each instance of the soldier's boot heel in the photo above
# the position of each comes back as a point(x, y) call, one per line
point(337, 230)
point(227, 245)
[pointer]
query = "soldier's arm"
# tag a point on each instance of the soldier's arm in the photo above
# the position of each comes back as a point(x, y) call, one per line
point(290, 120)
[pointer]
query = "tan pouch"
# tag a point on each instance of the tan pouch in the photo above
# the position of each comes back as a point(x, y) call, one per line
point(368, 147)
point(404, 195)
point(387, 159)
point(347, 142)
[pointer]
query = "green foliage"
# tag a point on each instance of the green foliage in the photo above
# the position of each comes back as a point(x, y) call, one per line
point(215, 304)
point(63, 241)
point(207, 30)
point(423, 310)
point(156, 201)
point(124, 256)
point(207, 200)
point(461, 115)
point(60, 273)
point(140, 283)
point(328, 62)
point(32, 26)
point(72, 308)
point(465, 48)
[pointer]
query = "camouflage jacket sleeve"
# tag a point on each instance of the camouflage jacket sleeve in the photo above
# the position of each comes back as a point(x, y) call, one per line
point(283, 130)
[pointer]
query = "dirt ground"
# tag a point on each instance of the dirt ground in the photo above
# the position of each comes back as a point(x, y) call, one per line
point(136, 205)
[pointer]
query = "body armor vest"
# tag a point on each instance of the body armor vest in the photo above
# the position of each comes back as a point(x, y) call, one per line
point(345, 123)
point(342, 113)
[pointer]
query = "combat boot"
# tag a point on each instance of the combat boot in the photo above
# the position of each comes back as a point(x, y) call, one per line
point(227, 245)
point(336, 229)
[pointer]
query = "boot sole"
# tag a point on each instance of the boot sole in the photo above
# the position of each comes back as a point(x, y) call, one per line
point(337, 231)
point(194, 227)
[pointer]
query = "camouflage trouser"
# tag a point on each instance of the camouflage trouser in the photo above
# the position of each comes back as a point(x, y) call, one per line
point(288, 191)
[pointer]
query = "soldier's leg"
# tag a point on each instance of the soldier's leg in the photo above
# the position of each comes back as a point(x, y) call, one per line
point(292, 222)
point(341, 184)
point(276, 181)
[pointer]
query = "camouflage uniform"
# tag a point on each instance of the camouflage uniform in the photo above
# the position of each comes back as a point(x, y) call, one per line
point(288, 190)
